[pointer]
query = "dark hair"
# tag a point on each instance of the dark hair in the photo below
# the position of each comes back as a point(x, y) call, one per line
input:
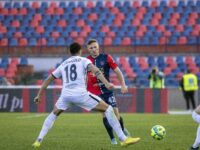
point(90, 41)
point(75, 48)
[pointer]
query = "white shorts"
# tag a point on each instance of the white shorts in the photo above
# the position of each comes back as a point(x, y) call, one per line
point(87, 101)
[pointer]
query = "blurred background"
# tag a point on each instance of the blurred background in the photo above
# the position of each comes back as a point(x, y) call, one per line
point(139, 34)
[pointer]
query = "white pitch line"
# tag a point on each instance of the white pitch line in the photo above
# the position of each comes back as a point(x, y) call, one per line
point(31, 116)
point(180, 112)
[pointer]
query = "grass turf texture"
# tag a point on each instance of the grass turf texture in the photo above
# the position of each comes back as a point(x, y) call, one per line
point(86, 132)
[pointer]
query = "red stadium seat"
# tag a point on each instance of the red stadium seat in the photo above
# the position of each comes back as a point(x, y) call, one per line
point(142, 10)
point(34, 23)
point(35, 5)
point(42, 42)
point(17, 34)
point(108, 4)
point(23, 11)
point(15, 23)
point(117, 23)
point(163, 40)
point(62, 23)
point(13, 11)
point(73, 34)
point(55, 34)
point(126, 41)
point(180, 28)
point(193, 15)
point(111, 34)
point(78, 10)
point(114, 10)
point(167, 71)
point(154, 3)
point(90, 4)
point(87, 28)
point(2, 72)
point(161, 28)
point(136, 22)
point(93, 16)
point(191, 22)
point(80, 40)
point(120, 16)
point(4, 42)
point(39, 29)
point(49, 11)
point(107, 41)
point(142, 28)
point(139, 33)
point(53, 5)
point(157, 15)
point(83, 34)
point(175, 15)
point(136, 4)
point(172, 3)
point(37, 17)
point(154, 22)
point(23, 42)
point(173, 22)
point(167, 33)
point(3, 29)
point(105, 28)
point(182, 40)
point(59, 11)
point(4, 11)
point(14, 60)
point(80, 23)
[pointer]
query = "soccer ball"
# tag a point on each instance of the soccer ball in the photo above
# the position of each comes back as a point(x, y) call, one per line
point(158, 132)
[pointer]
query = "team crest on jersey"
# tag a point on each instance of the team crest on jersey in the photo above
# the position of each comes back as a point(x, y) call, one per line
point(102, 63)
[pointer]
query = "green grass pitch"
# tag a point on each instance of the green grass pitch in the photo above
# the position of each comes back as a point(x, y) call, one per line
point(86, 132)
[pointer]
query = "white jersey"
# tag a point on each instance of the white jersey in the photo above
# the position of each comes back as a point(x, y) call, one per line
point(73, 72)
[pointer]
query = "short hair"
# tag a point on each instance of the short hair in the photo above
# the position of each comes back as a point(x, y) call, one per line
point(90, 41)
point(74, 48)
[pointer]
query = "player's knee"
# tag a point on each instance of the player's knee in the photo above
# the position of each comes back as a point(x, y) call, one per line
point(196, 117)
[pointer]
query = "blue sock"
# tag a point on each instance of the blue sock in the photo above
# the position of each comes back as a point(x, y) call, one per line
point(108, 128)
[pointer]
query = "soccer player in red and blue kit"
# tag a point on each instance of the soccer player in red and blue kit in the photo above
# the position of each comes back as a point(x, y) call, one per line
point(105, 62)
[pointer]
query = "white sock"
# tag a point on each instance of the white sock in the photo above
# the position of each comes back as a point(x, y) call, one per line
point(197, 140)
point(196, 117)
point(48, 123)
point(114, 122)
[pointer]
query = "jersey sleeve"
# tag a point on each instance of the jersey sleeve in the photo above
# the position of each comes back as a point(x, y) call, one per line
point(57, 72)
point(87, 62)
point(111, 62)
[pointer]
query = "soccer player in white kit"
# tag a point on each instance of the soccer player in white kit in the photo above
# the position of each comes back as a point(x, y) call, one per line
point(73, 72)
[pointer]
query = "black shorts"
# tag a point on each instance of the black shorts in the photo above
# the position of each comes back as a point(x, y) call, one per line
point(109, 99)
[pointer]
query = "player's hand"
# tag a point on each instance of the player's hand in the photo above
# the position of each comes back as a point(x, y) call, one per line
point(124, 89)
point(109, 86)
point(37, 99)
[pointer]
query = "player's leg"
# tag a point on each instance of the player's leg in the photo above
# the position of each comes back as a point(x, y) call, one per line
point(48, 123)
point(59, 107)
point(114, 122)
point(110, 101)
point(196, 117)
point(92, 102)
point(116, 111)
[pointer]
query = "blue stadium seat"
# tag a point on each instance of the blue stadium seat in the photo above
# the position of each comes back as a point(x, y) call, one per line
point(60, 41)
point(23, 60)
point(32, 41)
point(13, 42)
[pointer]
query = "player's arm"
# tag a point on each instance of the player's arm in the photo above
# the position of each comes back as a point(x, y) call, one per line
point(120, 77)
point(45, 84)
point(99, 75)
